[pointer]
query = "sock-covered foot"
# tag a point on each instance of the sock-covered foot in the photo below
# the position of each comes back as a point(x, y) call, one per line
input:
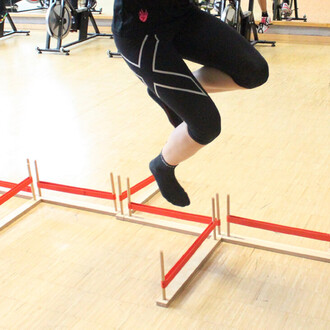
point(167, 183)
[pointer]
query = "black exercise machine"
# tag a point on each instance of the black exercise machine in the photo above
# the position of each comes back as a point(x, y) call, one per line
point(278, 15)
point(5, 15)
point(62, 17)
point(13, 7)
point(243, 22)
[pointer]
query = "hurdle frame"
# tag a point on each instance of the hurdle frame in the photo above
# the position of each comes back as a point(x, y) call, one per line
point(274, 246)
point(26, 186)
point(197, 253)
point(191, 261)
point(91, 207)
point(126, 213)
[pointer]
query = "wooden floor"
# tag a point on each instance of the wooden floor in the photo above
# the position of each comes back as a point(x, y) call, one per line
point(85, 115)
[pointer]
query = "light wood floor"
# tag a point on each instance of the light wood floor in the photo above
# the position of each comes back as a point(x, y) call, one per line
point(84, 115)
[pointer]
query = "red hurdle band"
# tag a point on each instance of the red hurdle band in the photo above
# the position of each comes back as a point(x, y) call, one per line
point(171, 213)
point(76, 190)
point(6, 184)
point(185, 258)
point(278, 228)
point(16, 189)
point(137, 187)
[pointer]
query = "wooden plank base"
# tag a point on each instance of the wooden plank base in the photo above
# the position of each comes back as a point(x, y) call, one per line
point(10, 218)
point(162, 224)
point(279, 248)
point(189, 270)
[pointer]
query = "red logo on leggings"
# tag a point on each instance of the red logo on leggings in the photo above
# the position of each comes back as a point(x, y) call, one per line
point(143, 15)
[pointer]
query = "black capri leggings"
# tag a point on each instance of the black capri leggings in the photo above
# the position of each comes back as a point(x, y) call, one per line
point(157, 60)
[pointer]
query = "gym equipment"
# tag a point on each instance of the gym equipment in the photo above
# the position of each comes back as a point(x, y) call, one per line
point(279, 16)
point(11, 5)
point(62, 17)
point(5, 9)
point(243, 22)
point(207, 5)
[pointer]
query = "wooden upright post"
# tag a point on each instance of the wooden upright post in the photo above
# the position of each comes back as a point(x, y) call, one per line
point(30, 175)
point(37, 175)
point(113, 191)
point(129, 198)
point(218, 213)
point(213, 219)
point(119, 192)
point(162, 273)
point(228, 213)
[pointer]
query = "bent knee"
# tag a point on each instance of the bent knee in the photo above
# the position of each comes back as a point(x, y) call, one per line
point(256, 74)
point(206, 132)
point(261, 73)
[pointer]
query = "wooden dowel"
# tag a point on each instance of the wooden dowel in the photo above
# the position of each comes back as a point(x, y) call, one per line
point(129, 198)
point(30, 175)
point(218, 212)
point(213, 219)
point(228, 213)
point(162, 273)
point(113, 191)
point(119, 192)
point(37, 175)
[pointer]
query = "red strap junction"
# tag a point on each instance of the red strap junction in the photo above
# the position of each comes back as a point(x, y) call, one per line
point(16, 189)
point(279, 228)
point(137, 187)
point(185, 258)
point(76, 190)
point(10, 185)
point(170, 213)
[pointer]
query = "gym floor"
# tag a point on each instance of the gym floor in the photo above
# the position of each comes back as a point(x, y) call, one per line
point(85, 115)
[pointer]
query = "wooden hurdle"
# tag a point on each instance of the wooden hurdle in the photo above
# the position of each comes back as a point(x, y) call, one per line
point(103, 209)
point(126, 213)
point(177, 277)
point(142, 197)
point(15, 189)
point(273, 246)
point(192, 260)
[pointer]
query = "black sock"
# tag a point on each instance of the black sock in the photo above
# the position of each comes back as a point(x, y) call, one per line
point(174, 119)
point(264, 14)
point(167, 183)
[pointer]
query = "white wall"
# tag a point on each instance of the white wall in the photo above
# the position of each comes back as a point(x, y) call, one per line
point(107, 6)
point(317, 11)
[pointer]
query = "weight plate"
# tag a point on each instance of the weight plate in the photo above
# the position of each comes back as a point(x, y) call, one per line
point(228, 15)
point(54, 20)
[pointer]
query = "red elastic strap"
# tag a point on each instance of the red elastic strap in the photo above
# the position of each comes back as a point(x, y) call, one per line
point(185, 258)
point(279, 228)
point(137, 187)
point(20, 186)
point(76, 190)
point(10, 185)
point(170, 213)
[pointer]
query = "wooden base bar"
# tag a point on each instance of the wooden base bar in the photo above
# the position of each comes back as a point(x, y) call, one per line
point(10, 218)
point(162, 224)
point(279, 248)
point(189, 270)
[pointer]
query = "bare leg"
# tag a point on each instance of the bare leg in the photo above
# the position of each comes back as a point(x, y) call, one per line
point(263, 5)
point(214, 80)
point(180, 146)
